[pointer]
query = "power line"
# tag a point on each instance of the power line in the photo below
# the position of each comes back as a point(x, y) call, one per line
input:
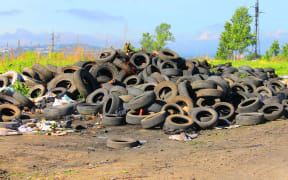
point(257, 13)
point(52, 41)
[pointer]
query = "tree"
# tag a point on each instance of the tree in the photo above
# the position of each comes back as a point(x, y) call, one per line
point(159, 40)
point(275, 48)
point(225, 49)
point(147, 42)
point(268, 55)
point(285, 50)
point(237, 36)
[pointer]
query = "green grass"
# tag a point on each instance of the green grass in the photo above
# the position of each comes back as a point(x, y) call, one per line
point(280, 66)
point(27, 59)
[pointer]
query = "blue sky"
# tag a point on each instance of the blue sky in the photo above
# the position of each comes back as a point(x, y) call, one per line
point(196, 24)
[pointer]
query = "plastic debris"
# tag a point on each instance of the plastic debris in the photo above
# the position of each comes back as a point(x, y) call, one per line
point(183, 137)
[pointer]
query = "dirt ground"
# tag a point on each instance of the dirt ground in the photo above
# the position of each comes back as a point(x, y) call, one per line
point(256, 152)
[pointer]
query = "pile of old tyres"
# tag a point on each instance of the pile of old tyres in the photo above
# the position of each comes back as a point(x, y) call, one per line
point(162, 90)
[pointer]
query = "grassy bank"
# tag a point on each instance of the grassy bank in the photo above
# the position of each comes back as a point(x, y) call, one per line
point(280, 66)
point(27, 59)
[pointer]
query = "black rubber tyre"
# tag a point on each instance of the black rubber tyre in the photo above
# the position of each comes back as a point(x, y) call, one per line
point(89, 109)
point(66, 81)
point(166, 54)
point(126, 98)
point(135, 91)
point(156, 106)
point(52, 68)
point(58, 91)
point(104, 72)
point(82, 64)
point(275, 85)
point(249, 119)
point(172, 108)
point(98, 96)
point(118, 143)
point(9, 112)
point(22, 99)
point(207, 102)
point(269, 70)
point(166, 90)
point(250, 86)
point(171, 72)
point(147, 86)
point(68, 69)
point(132, 80)
point(112, 104)
point(209, 93)
point(132, 117)
point(143, 100)
point(113, 120)
point(159, 77)
point(37, 91)
point(140, 60)
point(58, 112)
point(119, 63)
point(235, 87)
point(149, 70)
point(105, 55)
point(185, 89)
point(4, 81)
point(4, 99)
point(203, 84)
point(264, 91)
point(205, 118)
point(153, 120)
point(167, 65)
point(119, 90)
point(184, 102)
point(44, 74)
point(29, 82)
point(84, 82)
point(29, 72)
point(225, 110)
point(272, 111)
point(249, 105)
point(178, 122)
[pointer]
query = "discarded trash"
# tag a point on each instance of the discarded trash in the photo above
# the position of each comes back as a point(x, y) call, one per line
point(183, 137)
point(8, 132)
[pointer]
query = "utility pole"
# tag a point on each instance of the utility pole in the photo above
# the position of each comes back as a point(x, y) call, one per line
point(53, 41)
point(257, 13)
point(19, 48)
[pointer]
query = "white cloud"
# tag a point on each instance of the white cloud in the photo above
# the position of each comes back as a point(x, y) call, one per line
point(278, 34)
point(207, 35)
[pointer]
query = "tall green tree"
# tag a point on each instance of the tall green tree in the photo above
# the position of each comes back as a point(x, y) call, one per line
point(285, 50)
point(158, 40)
point(275, 48)
point(225, 46)
point(147, 42)
point(237, 36)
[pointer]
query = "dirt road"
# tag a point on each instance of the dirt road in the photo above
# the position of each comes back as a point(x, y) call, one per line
point(258, 152)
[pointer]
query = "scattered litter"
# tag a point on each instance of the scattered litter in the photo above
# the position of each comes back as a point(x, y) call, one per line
point(8, 132)
point(183, 137)
point(227, 127)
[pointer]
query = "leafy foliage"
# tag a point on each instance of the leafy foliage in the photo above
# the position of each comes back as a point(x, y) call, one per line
point(285, 50)
point(19, 86)
point(275, 48)
point(147, 42)
point(159, 40)
point(237, 36)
